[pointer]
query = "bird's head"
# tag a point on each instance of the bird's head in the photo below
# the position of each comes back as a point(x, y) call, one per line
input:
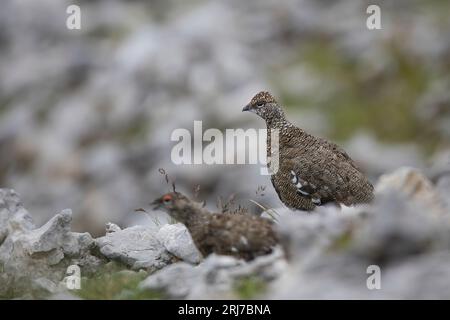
point(177, 205)
point(265, 106)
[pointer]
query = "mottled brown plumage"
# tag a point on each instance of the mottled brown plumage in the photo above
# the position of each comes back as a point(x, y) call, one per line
point(240, 235)
point(312, 171)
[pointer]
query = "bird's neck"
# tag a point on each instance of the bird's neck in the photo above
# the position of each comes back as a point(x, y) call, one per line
point(192, 214)
point(281, 131)
point(278, 122)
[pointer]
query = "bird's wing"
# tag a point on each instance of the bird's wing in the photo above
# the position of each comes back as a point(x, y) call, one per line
point(305, 141)
point(327, 176)
point(340, 153)
point(322, 171)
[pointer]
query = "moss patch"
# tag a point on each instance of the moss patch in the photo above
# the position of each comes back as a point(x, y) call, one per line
point(249, 287)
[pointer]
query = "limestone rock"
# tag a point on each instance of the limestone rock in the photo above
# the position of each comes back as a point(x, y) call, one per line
point(214, 277)
point(414, 185)
point(177, 240)
point(13, 216)
point(408, 244)
point(137, 247)
point(34, 260)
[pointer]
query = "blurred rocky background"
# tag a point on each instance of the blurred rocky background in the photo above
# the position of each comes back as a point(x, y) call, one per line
point(86, 115)
point(86, 118)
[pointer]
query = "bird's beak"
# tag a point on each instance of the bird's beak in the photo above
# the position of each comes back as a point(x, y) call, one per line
point(246, 108)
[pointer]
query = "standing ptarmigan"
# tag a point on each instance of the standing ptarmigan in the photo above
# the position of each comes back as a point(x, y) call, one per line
point(240, 235)
point(312, 171)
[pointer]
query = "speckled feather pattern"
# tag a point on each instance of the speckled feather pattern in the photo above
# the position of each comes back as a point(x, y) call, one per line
point(313, 171)
point(242, 236)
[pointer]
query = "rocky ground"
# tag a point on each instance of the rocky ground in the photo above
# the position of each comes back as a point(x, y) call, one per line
point(86, 118)
point(405, 232)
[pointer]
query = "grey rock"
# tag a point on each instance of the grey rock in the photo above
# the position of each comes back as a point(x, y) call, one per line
point(176, 280)
point(341, 277)
point(396, 229)
point(440, 174)
point(13, 216)
point(397, 233)
point(111, 227)
point(443, 187)
point(44, 285)
point(305, 236)
point(137, 247)
point(423, 277)
point(177, 240)
point(329, 276)
point(214, 277)
point(415, 186)
point(32, 259)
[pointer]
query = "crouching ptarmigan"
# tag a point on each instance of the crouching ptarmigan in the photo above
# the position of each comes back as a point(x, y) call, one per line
point(240, 235)
point(312, 171)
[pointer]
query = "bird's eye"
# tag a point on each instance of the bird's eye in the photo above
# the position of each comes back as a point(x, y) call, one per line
point(259, 104)
point(167, 199)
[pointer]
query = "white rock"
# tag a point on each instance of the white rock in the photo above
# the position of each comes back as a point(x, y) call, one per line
point(178, 241)
point(137, 247)
point(111, 227)
point(13, 216)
